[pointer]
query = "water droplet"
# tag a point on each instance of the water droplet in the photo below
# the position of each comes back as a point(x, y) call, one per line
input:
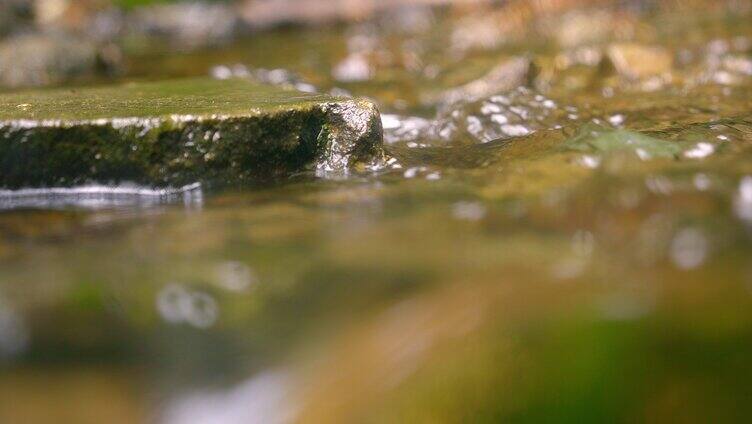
point(689, 248)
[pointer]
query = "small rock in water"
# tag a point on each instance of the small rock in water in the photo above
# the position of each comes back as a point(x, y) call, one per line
point(636, 61)
point(179, 132)
point(508, 75)
point(593, 138)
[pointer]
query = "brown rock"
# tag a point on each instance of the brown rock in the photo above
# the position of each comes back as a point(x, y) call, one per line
point(635, 61)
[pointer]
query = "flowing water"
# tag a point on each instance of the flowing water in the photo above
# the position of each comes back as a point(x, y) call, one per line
point(560, 232)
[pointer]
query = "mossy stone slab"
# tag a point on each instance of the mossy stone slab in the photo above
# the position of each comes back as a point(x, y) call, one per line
point(593, 138)
point(178, 132)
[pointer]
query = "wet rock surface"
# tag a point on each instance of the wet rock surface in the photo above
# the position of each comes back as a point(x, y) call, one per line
point(180, 132)
point(635, 61)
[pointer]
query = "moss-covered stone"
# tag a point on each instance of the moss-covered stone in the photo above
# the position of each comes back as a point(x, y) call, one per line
point(181, 131)
point(593, 138)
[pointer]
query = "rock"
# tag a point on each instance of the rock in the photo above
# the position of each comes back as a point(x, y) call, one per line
point(178, 132)
point(186, 25)
point(40, 59)
point(592, 138)
point(508, 75)
point(635, 61)
point(579, 27)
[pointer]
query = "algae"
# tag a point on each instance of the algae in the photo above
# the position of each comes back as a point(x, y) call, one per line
point(594, 138)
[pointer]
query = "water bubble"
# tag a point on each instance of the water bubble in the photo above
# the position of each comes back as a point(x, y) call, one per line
point(305, 87)
point(169, 301)
point(700, 151)
point(235, 276)
point(490, 108)
point(403, 128)
point(701, 182)
point(413, 171)
point(433, 176)
point(468, 211)
point(589, 161)
point(689, 248)
point(221, 72)
point(177, 304)
point(616, 120)
point(499, 119)
point(354, 67)
point(515, 130)
point(201, 311)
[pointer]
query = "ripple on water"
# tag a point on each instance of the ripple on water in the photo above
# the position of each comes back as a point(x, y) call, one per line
point(515, 113)
point(99, 196)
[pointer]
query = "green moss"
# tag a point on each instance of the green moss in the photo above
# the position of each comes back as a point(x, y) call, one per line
point(597, 139)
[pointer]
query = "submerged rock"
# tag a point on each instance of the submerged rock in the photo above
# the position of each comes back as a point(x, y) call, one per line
point(178, 132)
point(510, 74)
point(635, 61)
point(592, 138)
